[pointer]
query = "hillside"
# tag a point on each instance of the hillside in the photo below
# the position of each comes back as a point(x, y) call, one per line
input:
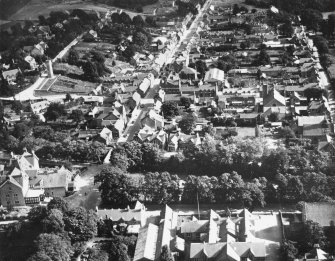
point(9, 7)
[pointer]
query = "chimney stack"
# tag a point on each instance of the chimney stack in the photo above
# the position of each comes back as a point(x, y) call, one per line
point(50, 69)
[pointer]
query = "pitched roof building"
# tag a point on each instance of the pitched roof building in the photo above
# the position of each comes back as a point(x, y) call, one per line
point(137, 215)
point(214, 75)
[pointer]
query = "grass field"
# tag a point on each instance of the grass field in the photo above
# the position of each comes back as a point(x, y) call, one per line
point(34, 8)
point(9, 7)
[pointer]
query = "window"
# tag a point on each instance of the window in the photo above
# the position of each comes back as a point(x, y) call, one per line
point(15, 195)
point(17, 202)
point(188, 235)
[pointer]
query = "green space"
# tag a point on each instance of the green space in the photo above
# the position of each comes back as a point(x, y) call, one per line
point(9, 7)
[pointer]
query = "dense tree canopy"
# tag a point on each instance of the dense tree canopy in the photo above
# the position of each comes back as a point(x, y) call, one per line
point(187, 123)
point(54, 111)
point(170, 109)
point(53, 247)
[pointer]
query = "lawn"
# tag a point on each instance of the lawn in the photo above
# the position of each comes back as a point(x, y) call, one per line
point(88, 195)
point(246, 132)
point(64, 68)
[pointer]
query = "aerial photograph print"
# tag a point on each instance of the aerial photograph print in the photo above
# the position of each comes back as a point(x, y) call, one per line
point(167, 130)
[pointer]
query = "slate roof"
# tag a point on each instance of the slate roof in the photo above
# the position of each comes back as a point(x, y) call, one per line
point(312, 130)
point(197, 226)
point(11, 180)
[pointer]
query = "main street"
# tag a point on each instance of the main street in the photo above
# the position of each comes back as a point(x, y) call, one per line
point(134, 123)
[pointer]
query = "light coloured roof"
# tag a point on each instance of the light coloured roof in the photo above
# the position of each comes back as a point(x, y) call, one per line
point(273, 95)
point(133, 229)
point(234, 250)
point(34, 193)
point(321, 212)
point(145, 84)
point(55, 180)
point(303, 120)
point(121, 214)
point(214, 74)
point(146, 243)
point(10, 73)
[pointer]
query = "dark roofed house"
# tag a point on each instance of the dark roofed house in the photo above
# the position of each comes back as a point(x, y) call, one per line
point(321, 212)
point(194, 230)
point(317, 254)
point(43, 31)
point(247, 119)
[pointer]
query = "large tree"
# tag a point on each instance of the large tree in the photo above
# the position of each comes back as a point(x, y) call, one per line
point(187, 123)
point(90, 70)
point(53, 222)
point(21, 130)
point(161, 188)
point(311, 234)
point(140, 39)
point(115, 187)
point(119, 158)
point(170, 109)
point(52, 246)
point(77, 116)
point(81, 224)
point(311, 18)
point(54, 111)
point(73, 57)
point(58, 203)
point(289, 251)
point(263, 58)
point(166, 254)
point(138, 21)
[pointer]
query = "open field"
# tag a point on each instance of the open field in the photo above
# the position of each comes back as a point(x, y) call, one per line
point(43, 7)
point(9, 7)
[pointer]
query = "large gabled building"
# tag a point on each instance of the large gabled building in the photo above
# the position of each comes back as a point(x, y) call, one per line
point(189, 238)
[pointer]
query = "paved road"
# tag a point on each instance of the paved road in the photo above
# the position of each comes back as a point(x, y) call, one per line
point(190, 33)
point(134, 123)
point(28, 94)
point(67, 48)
